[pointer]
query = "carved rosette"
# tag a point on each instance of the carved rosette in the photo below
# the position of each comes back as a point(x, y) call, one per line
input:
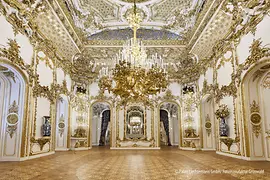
point(255, 118)
point(12, 119)
point(208, 125)
point(61, 125)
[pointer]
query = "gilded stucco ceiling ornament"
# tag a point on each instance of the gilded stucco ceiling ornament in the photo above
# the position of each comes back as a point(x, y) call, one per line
point(255, 118)
point(91, 17)
point(23, 13)
point(186, 69)
point(65, 11)
point(135, 76)
point(206, 10)
point(246, 16)
point(83, 22)
point(84, 68)
point(182, 21)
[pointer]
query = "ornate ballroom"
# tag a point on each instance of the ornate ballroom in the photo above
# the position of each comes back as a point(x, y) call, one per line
point(134, 89)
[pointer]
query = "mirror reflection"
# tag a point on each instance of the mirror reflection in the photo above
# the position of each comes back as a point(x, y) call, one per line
point(135, 123)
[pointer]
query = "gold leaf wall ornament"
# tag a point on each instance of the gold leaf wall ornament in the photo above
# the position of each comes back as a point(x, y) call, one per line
point(209, 88)
point(101, 97)
point(61, 125)
point(266, 83)
point(84, 68)
point(80, 143)
point(57, 89)
point(80, 102)
point(168, 96)
point(43, 91)
point(40, 141)
point(255, 118)
point(230, 90)
point(257, 52)
point(12, 53)
point(208, 125)
point(12, 119)
point(51, 93)
point(13, 108)
point(228, 142)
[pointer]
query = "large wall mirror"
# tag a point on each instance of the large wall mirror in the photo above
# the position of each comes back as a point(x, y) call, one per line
point(135, 123)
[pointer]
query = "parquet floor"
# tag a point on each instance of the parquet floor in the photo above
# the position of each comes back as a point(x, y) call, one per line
point(101, 163)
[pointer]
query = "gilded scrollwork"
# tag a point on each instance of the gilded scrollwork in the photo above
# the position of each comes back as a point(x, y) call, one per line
point(266, 83)
point(255, 118)
point(40, 141)
point(12, 119)
point(228, 142)
point(168, 96)
point(208, 125)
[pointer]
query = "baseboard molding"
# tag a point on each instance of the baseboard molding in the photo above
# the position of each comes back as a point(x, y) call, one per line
point(208, 149)
point(135, 148)
point(230, 155)
point(255, 159)
point(189, 149)
point(62, 149)
point(241, 157)
point(40, 155)
point(80, 149)
point(6, 159)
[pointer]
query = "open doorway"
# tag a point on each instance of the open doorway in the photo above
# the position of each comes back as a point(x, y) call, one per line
point(169, 124)
point(101, 116)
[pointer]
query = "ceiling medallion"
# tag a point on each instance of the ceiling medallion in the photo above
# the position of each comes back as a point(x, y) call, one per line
point(134, 76)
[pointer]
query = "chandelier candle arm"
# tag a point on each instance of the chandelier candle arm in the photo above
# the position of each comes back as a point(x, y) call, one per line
point(135, 76)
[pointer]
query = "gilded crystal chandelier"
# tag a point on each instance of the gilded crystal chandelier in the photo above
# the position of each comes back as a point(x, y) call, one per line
point(134, 76)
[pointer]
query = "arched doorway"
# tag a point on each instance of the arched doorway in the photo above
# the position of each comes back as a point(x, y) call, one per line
point(101, 116)
point(256, 114)
point(12, 105)
point(169, 124)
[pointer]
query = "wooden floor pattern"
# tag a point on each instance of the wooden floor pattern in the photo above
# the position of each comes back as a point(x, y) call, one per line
point(101, 163)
